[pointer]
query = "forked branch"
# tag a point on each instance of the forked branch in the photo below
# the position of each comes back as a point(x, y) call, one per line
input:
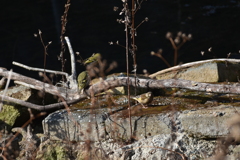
point(74, 97)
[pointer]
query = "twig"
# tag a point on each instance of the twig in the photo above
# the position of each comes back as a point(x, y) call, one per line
point(25, 124)
point(142, 83)
point(126, 19)
point(72, 79)
point(40, 69)
point(73, 65)
point(6, 87)
point(63, 30)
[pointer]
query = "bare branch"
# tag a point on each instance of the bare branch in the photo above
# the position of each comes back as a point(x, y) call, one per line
point(39, 69)
point(6, 87)
point(72, 97)
point(36, 84)
point(72, 79)
point(167, 83)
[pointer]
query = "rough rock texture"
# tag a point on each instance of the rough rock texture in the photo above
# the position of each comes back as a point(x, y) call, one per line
point(220, 71)
point(166, 146)
point(195, 125)
point(10, 112)
point(77, 125)
point(190, 132)
point(205, 124)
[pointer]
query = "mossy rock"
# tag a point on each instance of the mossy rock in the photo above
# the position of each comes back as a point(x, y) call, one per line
point(10, 112)
point(53, 150)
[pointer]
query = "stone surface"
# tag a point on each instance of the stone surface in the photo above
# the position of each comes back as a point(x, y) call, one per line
point(166, 146)
point(10, 112)
point(81, 124)
point(207, 123)
point(218, 70)
point(143, 126)
point(77, 125)
point(191, 124)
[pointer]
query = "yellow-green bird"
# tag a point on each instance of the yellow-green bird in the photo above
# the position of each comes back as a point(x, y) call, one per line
point(83, 80)
point(94, 58)
point(145, 98)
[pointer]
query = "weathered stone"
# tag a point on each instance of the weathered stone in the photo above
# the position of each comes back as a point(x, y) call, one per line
point(10, 112)
point(207, 123)
point(142, 126)
point(166, 146)
point(16, 114)
point(77, 125)
point(218, 70)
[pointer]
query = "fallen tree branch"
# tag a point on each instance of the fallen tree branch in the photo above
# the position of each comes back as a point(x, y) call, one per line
point(72, 97)
point(166, 83)
point(40, 69)
point(36, 84)
point(37, 107)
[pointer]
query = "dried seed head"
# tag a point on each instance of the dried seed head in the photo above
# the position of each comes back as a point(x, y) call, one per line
point(177, 40)
point(51, 75)
point(145, 72)
point(160, 51)
point(179, 34)
point(119, 21)
point(146, 19)
point(114, 64)
point(189, 37)
point(115, 8)
point(40, 74)
point(202, 53)
point(110, 43)
point(229, 54)
point(184, 36)
point(169, 35)
point(152, 53)
point(210, 49)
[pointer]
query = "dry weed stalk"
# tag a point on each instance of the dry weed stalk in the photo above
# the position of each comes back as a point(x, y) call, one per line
point(130, 30)
point(176, 43)
point(63, 30)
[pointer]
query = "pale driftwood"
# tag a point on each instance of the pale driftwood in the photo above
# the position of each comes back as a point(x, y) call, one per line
point(73, 97)
point(186, 65)
point(40, 69)
point(72, 79)
point(36, 84)
point(41, 107)
point(6, 87)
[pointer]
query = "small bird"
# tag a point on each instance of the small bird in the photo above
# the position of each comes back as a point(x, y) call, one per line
point(145, 98)
point(94, 58)
point(83, 80)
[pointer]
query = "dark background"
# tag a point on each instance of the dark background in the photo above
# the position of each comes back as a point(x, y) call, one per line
point(92, 24)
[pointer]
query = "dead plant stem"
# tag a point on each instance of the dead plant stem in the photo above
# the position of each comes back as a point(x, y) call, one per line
point(133, 44)
point(127, 63)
